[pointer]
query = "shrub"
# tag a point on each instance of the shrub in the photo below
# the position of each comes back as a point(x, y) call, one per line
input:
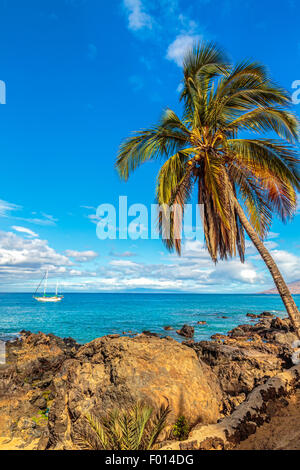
point(181, 428)
point(135, 428)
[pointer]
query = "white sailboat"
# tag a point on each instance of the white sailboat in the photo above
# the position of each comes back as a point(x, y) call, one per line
point(49, 298)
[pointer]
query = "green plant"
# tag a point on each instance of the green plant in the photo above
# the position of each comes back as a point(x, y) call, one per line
point(41, 418)
point(181, 428)
point(135, 428)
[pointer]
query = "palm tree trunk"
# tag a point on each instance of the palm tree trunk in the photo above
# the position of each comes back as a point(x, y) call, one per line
point(283, 289)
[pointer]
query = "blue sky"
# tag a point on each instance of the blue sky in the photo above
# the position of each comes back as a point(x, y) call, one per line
point(80, 76)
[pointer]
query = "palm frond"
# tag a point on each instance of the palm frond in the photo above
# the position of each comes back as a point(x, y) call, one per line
point(156, 425)
point(202, 64)
point(274, 157)
point(133, 428)
point(282, 122)
point(254, 198)
point(220, 102)
point(174, 189)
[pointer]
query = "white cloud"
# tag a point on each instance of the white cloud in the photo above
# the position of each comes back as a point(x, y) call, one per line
point(125, 254)
point(270, 245)
point(24, 230)
point(22, 260)
point(48, 219)
point(152, 283)
point(7, 207)
point(115, 284)
point(288, 263)
point(17, 254)
point(137, 17)
point(75, 272)
point(179, 47)
point(272, 235)
point(124, 263)
point(164, 20)
point(89, 207)
point(94, 218)
point(233, 270)
point(196, 263)
point(82, 256)
point(194, 271)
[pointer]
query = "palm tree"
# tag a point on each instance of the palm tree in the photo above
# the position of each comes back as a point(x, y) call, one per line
point(234, 174)
point(135, 428)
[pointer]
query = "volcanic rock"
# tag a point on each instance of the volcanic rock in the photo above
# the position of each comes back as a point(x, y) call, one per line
point(25, 384)
point(187, 331)
point(116, 372)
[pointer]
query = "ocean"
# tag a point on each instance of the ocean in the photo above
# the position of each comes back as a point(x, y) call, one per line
point(88, 316)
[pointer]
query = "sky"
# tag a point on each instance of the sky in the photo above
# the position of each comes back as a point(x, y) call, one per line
point(80, 76)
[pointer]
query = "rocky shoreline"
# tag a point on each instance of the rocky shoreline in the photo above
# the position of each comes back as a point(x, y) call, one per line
point(226, 387)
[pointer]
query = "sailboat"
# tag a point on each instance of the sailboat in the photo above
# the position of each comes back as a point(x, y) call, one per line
point(45, 298)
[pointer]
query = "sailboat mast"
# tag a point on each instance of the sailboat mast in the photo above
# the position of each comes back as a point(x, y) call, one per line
point(45, 285)
point(49, 298)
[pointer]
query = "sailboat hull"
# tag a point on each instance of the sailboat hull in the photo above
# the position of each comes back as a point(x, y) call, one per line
point(48, 299)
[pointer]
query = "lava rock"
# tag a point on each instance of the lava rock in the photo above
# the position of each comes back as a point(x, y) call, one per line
point(266, 314)
point(116, 372)
point(187, 331)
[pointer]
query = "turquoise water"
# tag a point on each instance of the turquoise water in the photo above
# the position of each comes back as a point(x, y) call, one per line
point(88, 316)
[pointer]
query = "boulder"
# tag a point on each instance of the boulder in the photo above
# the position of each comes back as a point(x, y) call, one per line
point(219, 337)
point(46, 376)
point(261, 315)
point(25, 385)
point(281, 324)
point(187, 331)
point(252, 315)
point(115, 372)
point(266, 314)
point(241, 365)
point(149, 333)
point(260, 407)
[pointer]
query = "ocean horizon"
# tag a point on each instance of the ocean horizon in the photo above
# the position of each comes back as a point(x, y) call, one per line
point(86, 316)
